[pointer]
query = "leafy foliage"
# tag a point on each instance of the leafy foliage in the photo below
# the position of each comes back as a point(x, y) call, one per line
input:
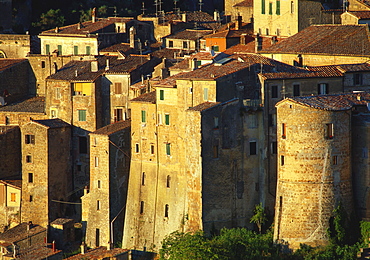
point(259, 217)
point(50, 19)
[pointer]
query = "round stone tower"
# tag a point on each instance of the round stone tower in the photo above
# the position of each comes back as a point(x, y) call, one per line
point(314, 169)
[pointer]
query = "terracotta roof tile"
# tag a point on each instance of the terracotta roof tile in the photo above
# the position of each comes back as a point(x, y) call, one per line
point(98, 253)
point(245, 3)
point(147, 98)
point(361, 14)
point(14, 183)
point(20, 232)
point(8, 63)
point(37, 252)
point(31, 105)
point(309, 72)
point(333, 102)
point(204, 106)
point(228, 34)
point(61, 221)
point(113, 128)
point(189, 34)
point(326, 39)
point(122, 47)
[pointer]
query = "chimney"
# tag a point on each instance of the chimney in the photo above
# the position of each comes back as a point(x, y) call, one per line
point(79, 26)
point(53, 246)
point(274, 40)
point(193, 64)
point(258, 43)
point(184, 17)
point(14, 250)
point(243, 37)
point(86, 190)
point(29, 225)
point(238, 23)
point(93, 15)
point(83, 248)
point(132, 37)
point(216, 15)
point(76, 73)
point(107, 65)
point(94, 66)
point(56, 29)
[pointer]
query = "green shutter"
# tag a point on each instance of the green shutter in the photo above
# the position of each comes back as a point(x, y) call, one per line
point(270, 7)
point(60, 50)
point(167, 119)
point(278, 7)
point(81, 115)
point(263, 10)
point(88, 50)
point(206, 94)
point(75, 50)
point(161, 94)
point(143, 116)
point(47, 49)
point(168, 149)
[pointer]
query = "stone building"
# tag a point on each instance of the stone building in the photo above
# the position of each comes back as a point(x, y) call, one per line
point(10, 202)
point(286, 18)
point(242, 8)
point(330, 46)
point(46, 170)
point(187, 40)
point(104, 202)
point(319, 158)
point(15, 46)
point(355, 17)
point(11, 156)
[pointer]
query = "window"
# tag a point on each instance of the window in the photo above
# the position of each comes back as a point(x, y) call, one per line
point(42, 64)
point(152, 149)
point(13, 197)
point(167, 119)
point(82, 115)
point(30, 139)
point(28, 158)
point(118, 114)
point(282, 160)
point(296, 90)
point(30, 177)
point(60, 50)
point(75, 50)
point(215, 123)
point(263, 10)
point(82, 144)
point(267, 31)
point(283, 130)
point(96, 161)
point(141, 207)
point(168, 149)
point(274, 91)
point(118, 88)
point(161, 94)
point(215, 151)
point(323, 88)
point(168, 181)
point(88, 50)
point(185, 44)
point(274, 147)
point(47, 51)
point(191, 90)
point(143, 116)
point(137, 148)
point(357, 79)
point(270, 7)
point(57, 93)
point(335, 160)
point(97, 237)
point(205, 94)
point(272, 119)
point(291, 7)
point(278, 7)
point(166, 207)
point(143, 179)
point(80, 88)
point(7, 120)
point(252, 148)
point(215, 48)
point(329, 131)
point(31, 198)
point(170, 44)
point(98, 205)
point(99, 184)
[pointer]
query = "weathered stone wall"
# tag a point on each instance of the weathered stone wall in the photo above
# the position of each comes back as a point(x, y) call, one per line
point(11, 156)
point(314, 172)
point(68, 44)
point(14, 46)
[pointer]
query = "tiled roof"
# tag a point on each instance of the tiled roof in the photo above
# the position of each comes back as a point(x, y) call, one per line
point(14, 183)
point(167, 53)
point(250, 46)
point(81, 70)
point(353, 67)
point(86, 28)
point(245, 3)
point(189, 34)
point(20, 232)
point(360, 14)
point(228, 34)
point(202, 19)
point(310, 72)
point(326, 39)
point(204, 106)
point(61, 221)
point(147, 97)
point(98, 253)
point(52, 123)
point(8, 63)
point(113, 128)
point(122, 47)
point(333, 102)
point(31, 105)
point(37, 252)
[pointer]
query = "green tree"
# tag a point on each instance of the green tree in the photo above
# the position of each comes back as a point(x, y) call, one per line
point(50, 19)
point(259, 217)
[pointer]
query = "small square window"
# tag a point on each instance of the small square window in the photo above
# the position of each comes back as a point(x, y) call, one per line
point(30, 139)
point(29, 159)
point(168, 149)
point(31, 198)
point(170, 44)
point(42, 64)
point(283, 131)
point(143, 116)
point(118, 88)
point(30, 177)
point(296, 90)
point(99, 184)
point(252, 148)
point(274, 92)
point(82, 115)
point(137, 148)
point(282, 160)
point(152, 149)
point(166, 208)
point(98, 205)
point(13, 197)
point(161, 94)
point(167, 119)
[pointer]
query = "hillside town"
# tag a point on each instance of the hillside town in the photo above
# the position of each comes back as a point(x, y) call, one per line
point(118, 131)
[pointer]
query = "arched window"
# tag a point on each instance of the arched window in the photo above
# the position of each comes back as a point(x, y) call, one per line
point(2, 54)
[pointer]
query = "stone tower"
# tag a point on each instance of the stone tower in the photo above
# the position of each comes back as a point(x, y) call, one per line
point(314, 167)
